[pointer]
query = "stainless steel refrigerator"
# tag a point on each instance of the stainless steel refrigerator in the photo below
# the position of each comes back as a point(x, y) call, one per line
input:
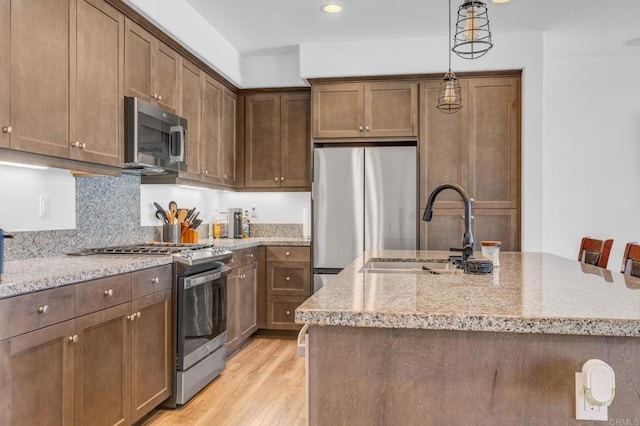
point(364, 198)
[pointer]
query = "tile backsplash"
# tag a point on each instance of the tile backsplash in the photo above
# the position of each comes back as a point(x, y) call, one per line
point(107, 213)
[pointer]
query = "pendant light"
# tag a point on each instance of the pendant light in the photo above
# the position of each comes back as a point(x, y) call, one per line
point(473, 36)
point(449, 95)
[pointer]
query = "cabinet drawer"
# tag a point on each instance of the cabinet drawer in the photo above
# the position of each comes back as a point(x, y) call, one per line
point(149, 281)
point(103, 293)
point(249, 256)
point(288, 253)
point(288, 278)
point(281, 312)
point(29, 312)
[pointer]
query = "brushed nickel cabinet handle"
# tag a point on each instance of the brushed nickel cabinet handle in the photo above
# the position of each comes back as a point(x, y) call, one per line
point(74, 338)
point(108, 293)
point(155, 280)
point(43, 309)
point(7, 129)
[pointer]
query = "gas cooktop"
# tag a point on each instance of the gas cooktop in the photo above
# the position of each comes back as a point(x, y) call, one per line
point(184, 253)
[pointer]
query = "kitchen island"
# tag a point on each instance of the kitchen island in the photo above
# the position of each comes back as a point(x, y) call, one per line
point(413, 347)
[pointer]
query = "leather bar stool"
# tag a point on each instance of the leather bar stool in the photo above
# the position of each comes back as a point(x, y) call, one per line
point(595, 252)
point(631, 260)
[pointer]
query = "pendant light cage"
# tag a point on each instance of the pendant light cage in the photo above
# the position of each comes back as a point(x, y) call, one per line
point(450, 94)
point(473, 36)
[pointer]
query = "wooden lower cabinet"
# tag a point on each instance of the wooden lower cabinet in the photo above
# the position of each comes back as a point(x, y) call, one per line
point(242, 288)
point(37, 377)
point(281, 312)
point(150, 353)
point(111, 366)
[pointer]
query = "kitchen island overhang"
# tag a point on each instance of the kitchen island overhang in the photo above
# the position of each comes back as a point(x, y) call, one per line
point(400, 348)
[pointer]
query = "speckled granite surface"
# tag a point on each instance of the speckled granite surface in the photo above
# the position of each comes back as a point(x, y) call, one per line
point(26, 276)
point(276, 230)
point(29, 275)
point(528, 293)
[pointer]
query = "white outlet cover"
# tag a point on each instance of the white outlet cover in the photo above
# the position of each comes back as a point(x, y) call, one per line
point(584, 410)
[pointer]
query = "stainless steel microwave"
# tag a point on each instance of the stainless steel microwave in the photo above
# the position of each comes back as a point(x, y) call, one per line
point(154, 139)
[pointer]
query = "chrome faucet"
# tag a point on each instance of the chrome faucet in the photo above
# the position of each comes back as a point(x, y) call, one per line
point(467, 238)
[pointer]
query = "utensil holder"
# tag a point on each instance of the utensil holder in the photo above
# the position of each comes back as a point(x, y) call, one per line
point(171, 233)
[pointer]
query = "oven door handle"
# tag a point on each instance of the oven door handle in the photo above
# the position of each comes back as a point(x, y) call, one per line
point(197, 280)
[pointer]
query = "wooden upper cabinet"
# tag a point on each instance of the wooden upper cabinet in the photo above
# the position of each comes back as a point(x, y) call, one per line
point(151, 68)
point(228, 139)
point(277, 140)
point(494, 148)
point(191, 78)
point(262, 137)
point(296, 140)
point(41, 44)
point(5, 69)
point(444, 156)
point(97, 129)
point(37, 376)
point(365, 110)
point(211, 129)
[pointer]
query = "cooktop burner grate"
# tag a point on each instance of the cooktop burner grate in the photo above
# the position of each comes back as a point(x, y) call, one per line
point(152, 248)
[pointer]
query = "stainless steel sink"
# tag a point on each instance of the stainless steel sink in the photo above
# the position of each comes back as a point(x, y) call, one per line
point(410, 266)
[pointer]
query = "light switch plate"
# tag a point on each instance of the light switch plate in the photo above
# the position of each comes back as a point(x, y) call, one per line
point(584, 410)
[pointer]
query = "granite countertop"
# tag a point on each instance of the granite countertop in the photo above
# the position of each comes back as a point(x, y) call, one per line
point(528, 293)
point(27, 276)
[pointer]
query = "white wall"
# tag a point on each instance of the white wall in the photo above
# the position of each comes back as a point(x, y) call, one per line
point(271, 207)
point(591, 146)
point(20, 191)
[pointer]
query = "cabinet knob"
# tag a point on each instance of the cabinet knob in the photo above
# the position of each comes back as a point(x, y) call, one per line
point(43, 309)
point(138, 314)
point(7, 129)
point(276, 178)
point(206, 172)
point(232, 260)
point(367, 129)
point(154, 96)
point(83, 145)
point(360, 128)
point(282, 179)
point(288, 278)
point(250, 254)
point(159, 97)
point(155, 280)
point(244, 276)
point(131, 317)
point(287, 253)
point(288, 313)
point(225, 176)
point(108, 293)
point(74, 338)
point(75, 144)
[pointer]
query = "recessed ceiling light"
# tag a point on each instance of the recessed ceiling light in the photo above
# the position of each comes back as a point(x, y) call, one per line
point(332, 8)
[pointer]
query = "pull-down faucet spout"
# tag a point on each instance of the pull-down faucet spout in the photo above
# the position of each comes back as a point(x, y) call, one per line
point(467, 238)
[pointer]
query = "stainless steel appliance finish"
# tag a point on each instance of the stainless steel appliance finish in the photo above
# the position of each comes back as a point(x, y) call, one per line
point(155, 140)
point(364, 198)
point(234, 224)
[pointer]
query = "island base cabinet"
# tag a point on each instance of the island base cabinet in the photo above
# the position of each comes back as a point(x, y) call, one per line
point(375, 376)
point(37, 376)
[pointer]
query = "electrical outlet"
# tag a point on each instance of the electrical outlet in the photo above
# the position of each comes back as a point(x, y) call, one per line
point(44, 206)
point(253, 214)
point(584, 410)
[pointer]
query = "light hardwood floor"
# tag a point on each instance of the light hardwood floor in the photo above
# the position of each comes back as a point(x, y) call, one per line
point(263, 384)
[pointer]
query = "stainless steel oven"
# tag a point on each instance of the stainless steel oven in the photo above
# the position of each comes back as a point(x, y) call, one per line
point(201, 324)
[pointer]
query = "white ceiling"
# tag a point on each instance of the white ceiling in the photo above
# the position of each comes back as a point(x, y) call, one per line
point(277, 26)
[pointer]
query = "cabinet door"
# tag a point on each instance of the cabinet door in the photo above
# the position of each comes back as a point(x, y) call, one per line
point(295, 145)
point(444, 231)
point(211, 109)
point(494, 135)
point(191, 109)
point(151, 359)
point(41, 51)
point(443, 148)
point(247, 297)
point(138, 51)
point(103, 362)
point(288, 278)
point(99, 72)
point(338, 110)
point(232, 310)
point(497, 225)
point(281, 312)
point(391, 109)
point(5, 69)
point(36, 372)
point(164, 76)
point(262, 137)
point(228, 137)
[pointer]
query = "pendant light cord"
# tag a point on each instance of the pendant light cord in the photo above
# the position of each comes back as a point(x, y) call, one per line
point(449, 36)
